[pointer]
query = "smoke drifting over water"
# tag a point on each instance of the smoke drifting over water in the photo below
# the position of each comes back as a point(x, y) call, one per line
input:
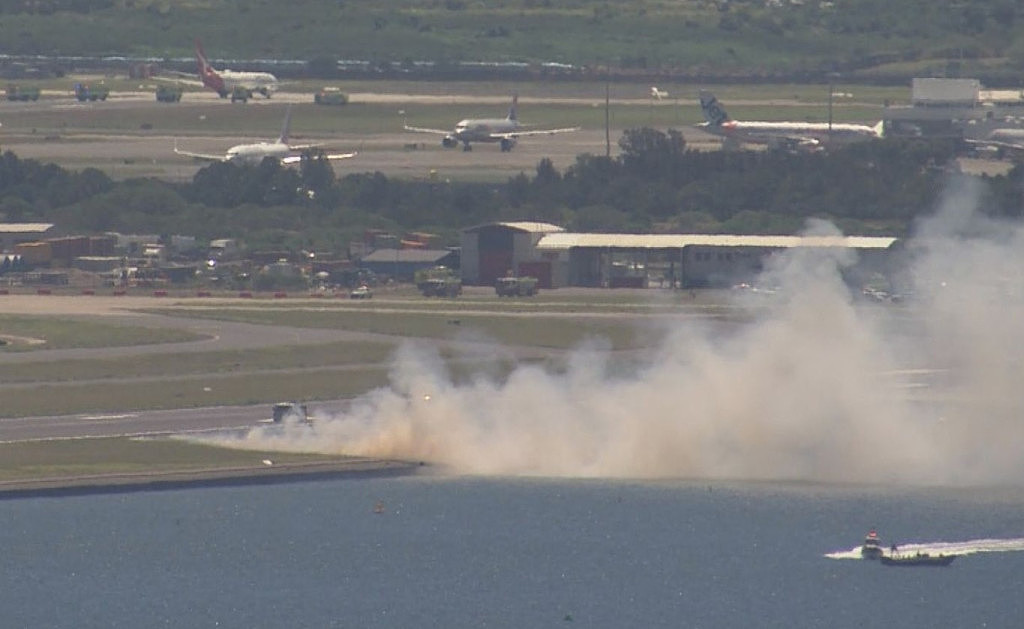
point(819, 387)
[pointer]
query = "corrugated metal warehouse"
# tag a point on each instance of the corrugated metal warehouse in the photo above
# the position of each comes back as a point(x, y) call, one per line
point(494, 250)
point(558, 258)
point(402, 264)
point(16, 233)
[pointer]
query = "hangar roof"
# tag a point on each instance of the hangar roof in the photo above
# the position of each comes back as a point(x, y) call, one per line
point(406, 255)
point(24, 228)
point(526, 226)
point(560, 241)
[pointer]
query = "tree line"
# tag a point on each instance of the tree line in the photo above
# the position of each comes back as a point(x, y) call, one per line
point(656, 184)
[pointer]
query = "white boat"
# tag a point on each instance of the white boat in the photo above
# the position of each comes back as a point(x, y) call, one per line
point(872, 548)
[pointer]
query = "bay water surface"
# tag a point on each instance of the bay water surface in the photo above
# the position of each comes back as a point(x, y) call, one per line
point(429, 551)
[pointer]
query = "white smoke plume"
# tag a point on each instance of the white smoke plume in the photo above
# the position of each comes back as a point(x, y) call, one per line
point(819, 387)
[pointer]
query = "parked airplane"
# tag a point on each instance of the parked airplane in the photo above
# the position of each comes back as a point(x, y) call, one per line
point(999, 141)
point(798, 135)
point(238, 85)
point(255, 153)
point(505, 131)
point(658, 94)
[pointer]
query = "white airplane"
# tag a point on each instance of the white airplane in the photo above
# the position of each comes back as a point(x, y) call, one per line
point(1000, 141)
point(799, 135)
point(238, 85)
point(658, 94)
point(255, 153)
point(505, 131)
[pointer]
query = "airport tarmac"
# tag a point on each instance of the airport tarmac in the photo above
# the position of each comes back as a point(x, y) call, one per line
point(71, 134)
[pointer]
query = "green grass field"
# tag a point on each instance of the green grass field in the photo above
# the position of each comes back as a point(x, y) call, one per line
point(544, 326)
point(48, 332)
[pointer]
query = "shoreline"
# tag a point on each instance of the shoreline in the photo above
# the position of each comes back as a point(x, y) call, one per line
point(358, 469)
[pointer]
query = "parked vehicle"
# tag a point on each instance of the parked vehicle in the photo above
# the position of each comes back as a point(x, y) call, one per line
point(330, 96)
point(84, 92)
point(17, 92)
point(361, 292)
point(241, 94)
point(438, 281)
point(169, 93)
point(515, 286)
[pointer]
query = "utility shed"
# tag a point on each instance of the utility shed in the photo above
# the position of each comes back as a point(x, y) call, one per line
point(682, 260)
point(494, 250)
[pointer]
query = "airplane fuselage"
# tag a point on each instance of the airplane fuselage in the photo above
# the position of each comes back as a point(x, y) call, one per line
point(482, 130)
point(255, 153)
point(226, 82)
point(769, 132)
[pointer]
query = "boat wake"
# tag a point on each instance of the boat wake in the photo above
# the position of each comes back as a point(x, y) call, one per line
point(968, 547)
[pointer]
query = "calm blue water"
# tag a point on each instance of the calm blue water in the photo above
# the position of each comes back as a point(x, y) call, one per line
point(457, 552)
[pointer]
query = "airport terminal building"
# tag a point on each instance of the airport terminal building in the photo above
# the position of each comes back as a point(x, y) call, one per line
point(558, 258)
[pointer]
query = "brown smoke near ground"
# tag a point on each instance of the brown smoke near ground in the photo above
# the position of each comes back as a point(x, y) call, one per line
point(821, 387)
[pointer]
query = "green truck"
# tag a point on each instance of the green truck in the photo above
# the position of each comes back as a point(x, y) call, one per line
point(438, 281)
point(330, 96)
point(84, 92)
point(169, 93)
point(21, 92)
point(515, 286)
point(241, 94)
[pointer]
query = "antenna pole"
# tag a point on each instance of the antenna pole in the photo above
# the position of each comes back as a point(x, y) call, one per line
point(607, 127)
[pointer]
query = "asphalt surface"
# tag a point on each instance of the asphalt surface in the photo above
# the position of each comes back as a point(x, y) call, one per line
point(403, 154)
point(132, 423)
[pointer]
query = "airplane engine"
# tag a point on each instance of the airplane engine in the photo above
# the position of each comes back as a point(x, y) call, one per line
point(507, 144)
point(449, 142)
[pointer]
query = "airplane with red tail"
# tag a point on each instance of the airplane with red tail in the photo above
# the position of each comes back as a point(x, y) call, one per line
point(237, 85)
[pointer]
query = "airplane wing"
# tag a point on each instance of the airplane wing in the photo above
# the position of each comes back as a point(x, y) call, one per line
point(206, 157)
point(793, 142)
point(523, 133)
point(996, 144)
point(295, 159)
point(424, 130)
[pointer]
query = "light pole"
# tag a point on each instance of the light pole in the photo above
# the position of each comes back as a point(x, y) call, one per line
point(832, 76)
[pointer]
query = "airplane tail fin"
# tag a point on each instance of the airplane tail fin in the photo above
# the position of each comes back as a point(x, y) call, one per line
point(880, 129)
point(287, 125)
point(512, 114)
point(207, 74)
point(201, 61)
point(714, 114)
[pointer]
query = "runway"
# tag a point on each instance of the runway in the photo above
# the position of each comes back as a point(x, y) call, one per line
point(132, 135)
point(135, 423)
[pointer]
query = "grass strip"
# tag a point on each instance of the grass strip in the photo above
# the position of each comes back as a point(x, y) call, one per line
point(25, 333)
point(122, 455)
point(198, 363)
point(63, 399)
